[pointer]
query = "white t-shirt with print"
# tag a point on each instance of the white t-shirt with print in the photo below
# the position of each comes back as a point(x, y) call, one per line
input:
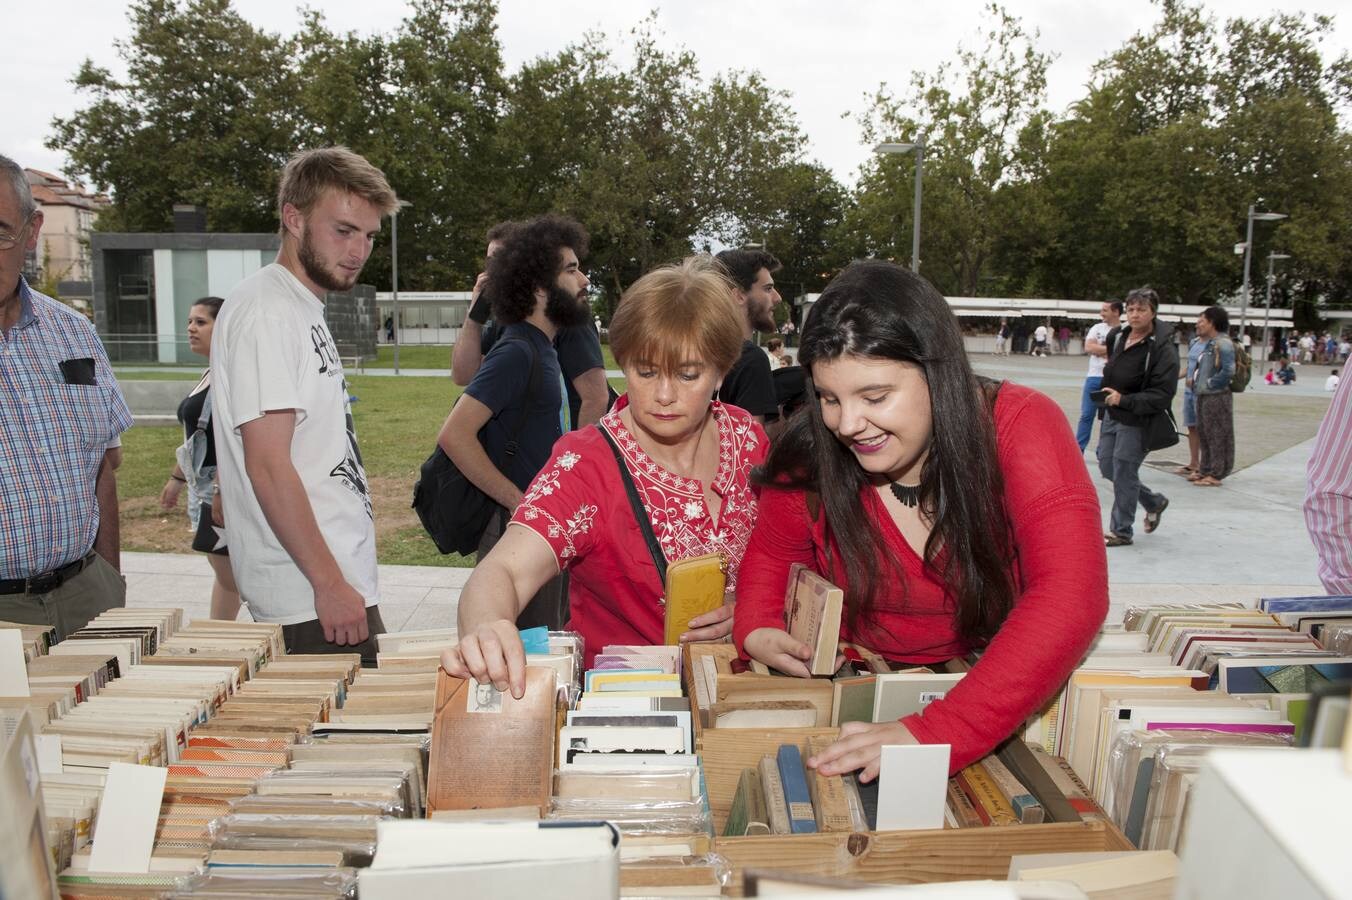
point(272, 350)
point(1098, 333)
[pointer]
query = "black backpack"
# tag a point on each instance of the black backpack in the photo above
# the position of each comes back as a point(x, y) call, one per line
point(452, 509)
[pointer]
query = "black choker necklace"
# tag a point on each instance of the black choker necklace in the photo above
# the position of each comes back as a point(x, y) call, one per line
point(906, 494)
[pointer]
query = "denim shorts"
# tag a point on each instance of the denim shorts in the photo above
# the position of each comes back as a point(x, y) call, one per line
point(1189, 409)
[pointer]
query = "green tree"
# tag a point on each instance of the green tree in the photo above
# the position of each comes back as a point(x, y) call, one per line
point(206, 115)
point(1150, 177)
point(973, 117)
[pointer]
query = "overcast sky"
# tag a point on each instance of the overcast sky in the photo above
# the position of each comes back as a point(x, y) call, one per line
point(826, 53)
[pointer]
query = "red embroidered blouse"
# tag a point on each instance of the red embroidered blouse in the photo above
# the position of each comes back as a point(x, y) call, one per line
point(1062, 583)
point(579, 506)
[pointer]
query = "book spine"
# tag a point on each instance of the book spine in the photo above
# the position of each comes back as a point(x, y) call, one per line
point(1024, 804)
point(966, 789)
point(1069, 784)
point(858, 817)
point(757, 815)
point(802, 819)
point(736, 825)
point(986, 796)
point(777, 808)
point(1018, 757)
point(963, 810)
point(828, 795)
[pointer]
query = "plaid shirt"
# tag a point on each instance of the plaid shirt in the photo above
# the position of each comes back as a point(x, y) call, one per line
point(53, 434)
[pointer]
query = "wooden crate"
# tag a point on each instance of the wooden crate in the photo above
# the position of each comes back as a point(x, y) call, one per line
point(888, 857)
point(911, 857)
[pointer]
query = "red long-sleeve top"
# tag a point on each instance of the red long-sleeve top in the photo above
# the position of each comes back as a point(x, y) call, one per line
point(1061, 583)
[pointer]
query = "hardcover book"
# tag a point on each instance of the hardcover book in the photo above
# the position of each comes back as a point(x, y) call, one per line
point(490, 750)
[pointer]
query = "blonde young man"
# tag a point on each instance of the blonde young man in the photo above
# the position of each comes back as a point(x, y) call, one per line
point(298, 510)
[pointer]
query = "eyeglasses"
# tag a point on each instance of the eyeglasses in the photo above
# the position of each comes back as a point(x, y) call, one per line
point(9, 241)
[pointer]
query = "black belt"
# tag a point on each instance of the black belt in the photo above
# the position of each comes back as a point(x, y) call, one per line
point(46, 582)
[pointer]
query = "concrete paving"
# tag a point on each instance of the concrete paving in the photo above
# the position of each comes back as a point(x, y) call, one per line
point(1241, 541)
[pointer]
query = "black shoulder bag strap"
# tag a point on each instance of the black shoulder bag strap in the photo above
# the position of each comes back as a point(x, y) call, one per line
point(645, 526)
point(513, 442)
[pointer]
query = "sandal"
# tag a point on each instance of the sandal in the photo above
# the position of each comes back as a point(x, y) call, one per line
point(1207, 481)
point(1195, 477)
point(1152, 519)
point(1185, 470)
point(1112, 539)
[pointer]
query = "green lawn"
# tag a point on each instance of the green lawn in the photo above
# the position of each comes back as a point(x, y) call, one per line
point(412, 356)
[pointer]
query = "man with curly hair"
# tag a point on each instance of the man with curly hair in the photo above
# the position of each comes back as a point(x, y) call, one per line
point(536, 287)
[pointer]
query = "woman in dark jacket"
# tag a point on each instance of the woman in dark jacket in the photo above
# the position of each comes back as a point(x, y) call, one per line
point(1139, 382)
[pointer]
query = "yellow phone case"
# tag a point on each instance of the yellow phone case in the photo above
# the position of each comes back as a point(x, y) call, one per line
point(694, 587)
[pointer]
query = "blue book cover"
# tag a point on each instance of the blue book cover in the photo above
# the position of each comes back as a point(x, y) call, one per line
point(1305, 604)
point(802, 818)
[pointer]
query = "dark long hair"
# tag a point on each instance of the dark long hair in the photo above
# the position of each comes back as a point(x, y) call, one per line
point(879, 310)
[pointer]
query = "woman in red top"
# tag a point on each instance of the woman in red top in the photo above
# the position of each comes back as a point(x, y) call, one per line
point(675, 335)
point(952, 525)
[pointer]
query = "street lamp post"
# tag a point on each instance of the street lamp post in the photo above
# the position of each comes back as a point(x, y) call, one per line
point(394, 276)
point(1248, 254)
point(1267, 310)
point(919, 148)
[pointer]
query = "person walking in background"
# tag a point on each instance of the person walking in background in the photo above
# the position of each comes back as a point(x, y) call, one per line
point(1002, 338)
point(1140, 378)
point(1331, 383)
point(1063, 339)
point(1215, 402)
point(774, 348)
point(199, 478)
point(1040, 335)
point(1188, 372)
point(537, 289)
point(749, 385)
point(1095, 344)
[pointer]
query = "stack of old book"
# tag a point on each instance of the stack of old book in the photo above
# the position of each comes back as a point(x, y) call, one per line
point(1154, 697)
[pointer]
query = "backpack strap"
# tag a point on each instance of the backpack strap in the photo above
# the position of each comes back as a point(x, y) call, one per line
point(513, 442)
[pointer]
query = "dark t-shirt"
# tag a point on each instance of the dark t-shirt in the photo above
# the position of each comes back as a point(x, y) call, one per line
point(189, 411)
point(502, 383)
point(750, 385)
point(579, 350)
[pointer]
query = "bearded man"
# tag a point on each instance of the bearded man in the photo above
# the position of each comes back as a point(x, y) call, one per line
point(749, 384)
point(298, 509)
point(536, 288)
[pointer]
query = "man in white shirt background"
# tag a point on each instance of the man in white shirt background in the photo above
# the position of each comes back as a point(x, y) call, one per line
point(1095, 344)
point(1039, 341)
point(297, 506)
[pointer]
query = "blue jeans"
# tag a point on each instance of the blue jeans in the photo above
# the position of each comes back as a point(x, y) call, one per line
point(1121, 450)
point(1088, 410)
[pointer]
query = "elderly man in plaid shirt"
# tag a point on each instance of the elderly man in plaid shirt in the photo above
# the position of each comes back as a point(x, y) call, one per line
point(60, 417)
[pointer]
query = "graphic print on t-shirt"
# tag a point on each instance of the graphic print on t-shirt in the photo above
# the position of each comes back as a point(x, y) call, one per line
point(329, 363)
point(351, 471)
